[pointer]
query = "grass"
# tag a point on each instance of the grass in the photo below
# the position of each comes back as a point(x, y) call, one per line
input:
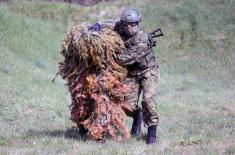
point(196, 92)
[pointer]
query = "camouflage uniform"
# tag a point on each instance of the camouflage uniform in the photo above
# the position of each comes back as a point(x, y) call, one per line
point(143, 75)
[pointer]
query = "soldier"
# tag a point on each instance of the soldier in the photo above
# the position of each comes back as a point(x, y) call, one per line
point(140, 61)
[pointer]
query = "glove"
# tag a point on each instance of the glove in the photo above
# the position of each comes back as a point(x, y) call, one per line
point(153, 40)
point(95, 27)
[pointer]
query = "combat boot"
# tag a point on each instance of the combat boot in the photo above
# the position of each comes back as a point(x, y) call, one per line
point(136, 126)
point(152, 135)
point(82, 132)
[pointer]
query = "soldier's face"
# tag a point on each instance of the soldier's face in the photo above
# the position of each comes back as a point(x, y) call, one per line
point(131, 28)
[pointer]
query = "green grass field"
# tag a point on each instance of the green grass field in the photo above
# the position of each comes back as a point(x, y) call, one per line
point(196, 97)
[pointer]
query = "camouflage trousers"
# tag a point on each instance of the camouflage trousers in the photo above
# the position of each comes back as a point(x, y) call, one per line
point(145, 84)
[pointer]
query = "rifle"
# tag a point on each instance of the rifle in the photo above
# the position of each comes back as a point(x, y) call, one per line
point(155, 34)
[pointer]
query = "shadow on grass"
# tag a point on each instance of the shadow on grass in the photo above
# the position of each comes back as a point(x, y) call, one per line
point(70, 133)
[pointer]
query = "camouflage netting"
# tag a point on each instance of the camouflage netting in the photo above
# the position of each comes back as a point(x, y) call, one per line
point(96, 81)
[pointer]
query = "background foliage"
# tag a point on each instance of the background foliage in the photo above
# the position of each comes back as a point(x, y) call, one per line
point(196, 94)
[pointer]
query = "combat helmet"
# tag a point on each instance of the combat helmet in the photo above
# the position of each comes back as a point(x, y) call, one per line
point(130, 15)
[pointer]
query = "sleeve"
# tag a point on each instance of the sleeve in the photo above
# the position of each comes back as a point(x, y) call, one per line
point(109, 23)
point(132, 53)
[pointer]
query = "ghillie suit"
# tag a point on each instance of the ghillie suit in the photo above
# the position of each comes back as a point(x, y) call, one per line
point(96, 82)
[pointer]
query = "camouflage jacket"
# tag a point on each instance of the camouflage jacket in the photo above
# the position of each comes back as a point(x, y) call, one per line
point(138, 55)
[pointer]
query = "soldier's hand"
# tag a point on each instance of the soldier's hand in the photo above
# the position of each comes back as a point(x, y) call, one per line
point(153, 40)
point(154, 43)
point(95, 27)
